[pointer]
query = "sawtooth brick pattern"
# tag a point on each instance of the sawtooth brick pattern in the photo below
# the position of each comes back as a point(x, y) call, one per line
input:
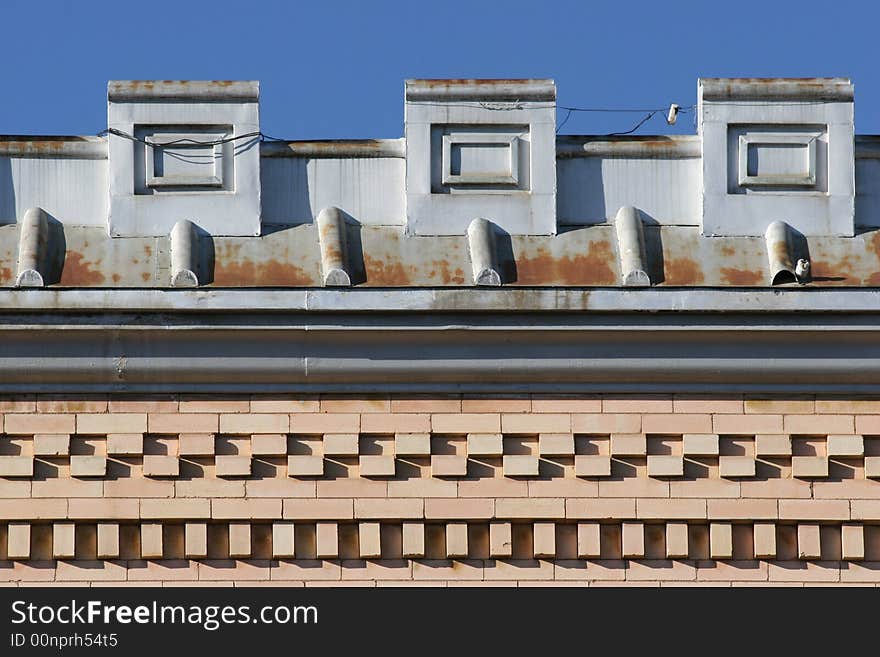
point(310, 490)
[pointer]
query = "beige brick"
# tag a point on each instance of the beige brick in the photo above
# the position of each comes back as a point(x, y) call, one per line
point(301, 404)
point(665, 466)
point(51, 444)
point(456, 540)
point(341, 444)
point(845, 445)
point(349, 404)
point(160, 465)
point(600, 509)
point(687, 403)
point(592, 465)
point(636, 404)
point(485, 444)
point(18, 540)
point(305, 466)
point(196, 540)
point(496, 404)
point(721, 540)
point(556, 444)
point(250, 423)
point(520, 465)
point(676, 423)
point(588, 540)
point(852, 542)
point(104, 423)
point(305, 509)
point(868, 424)
point(865, 509)
point(380, 465)
point(88, 466)
point(544, 540)
point(459, 509)
point(187, 509)
point(63, 540)
point(426, 404)
point(412, 444)
point(283, 540)
point(413, 540)
point(629, 444)
point(200, 404)
point(700, 444)
point(150, 404)
point(108, 540)
point(872, 467)
point(232, 465)
point(311, 423)
point(743, 509)
point(764, 534)
point(396, 423)
point(369, 540)
point(103, 509)
point(448, 465)
point(389, 508)
point(269, 444)
point(327, 540)
point(809, 466)
point(196, 444)
point(747, 424)
point(239, 540)
point(633, 540)
point(550, 508)
point(773, 445)
point(802, 406)
point(500, 540)
point(677, 540)
point(819, 424)
point(809, 543)
point(462, 423)
point(16, 466)
point(666, 509)
point(247, 508)
point(151, 540)
point(736, 466)
point(32, 509)
point(516, 423)
point(180, 423)
point(125, 444)
point(814, 510)
point(17, 424)
point(564, 404)
point(606, 423)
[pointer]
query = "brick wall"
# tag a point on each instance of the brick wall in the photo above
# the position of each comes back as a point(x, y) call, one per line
point(298, 490)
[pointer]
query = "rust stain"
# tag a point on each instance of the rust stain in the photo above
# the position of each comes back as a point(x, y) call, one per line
point(5, 274)
point(683, 271)
point(728, 251)
point(146, 276)
point(733, 276)
point(590, 268)
point(268, 273)
point(78, 271)
point(148, 250)
point(116, 278)
point(384, 273)
point(456, 82)
point(447, 275)
point(841, 271)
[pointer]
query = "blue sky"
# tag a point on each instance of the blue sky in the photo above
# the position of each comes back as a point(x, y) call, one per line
point(335, 69)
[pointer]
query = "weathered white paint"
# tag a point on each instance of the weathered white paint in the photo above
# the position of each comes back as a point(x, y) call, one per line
point(216, 187)
point(478, 148)
point(814, 190)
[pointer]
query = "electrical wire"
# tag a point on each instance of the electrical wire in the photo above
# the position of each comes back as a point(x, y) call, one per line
point(188, 140)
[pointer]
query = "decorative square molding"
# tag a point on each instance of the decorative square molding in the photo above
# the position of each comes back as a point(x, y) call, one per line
point(480, 148)
point(754, 148)
point(484, 151)
point(160, 168)
point(777, 150)
point(182, 160)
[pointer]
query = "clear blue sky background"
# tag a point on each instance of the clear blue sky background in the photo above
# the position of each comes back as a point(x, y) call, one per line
point(335, 69)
